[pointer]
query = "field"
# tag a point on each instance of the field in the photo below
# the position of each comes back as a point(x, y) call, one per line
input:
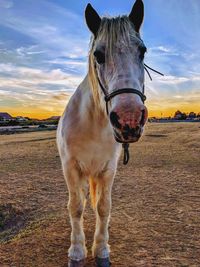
point(156, 201)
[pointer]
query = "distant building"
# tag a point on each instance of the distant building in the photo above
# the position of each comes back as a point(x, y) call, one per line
point(20, 118)
point(4, 116)
point(56, 118)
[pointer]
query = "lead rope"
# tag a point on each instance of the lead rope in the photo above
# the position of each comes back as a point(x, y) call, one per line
point(125, 146)
point(126, 153)
point(146, 67)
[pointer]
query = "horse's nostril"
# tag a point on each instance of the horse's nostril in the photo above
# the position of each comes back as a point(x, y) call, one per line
point(114, 118)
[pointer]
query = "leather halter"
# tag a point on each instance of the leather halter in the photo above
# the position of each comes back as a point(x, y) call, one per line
point(108, 97)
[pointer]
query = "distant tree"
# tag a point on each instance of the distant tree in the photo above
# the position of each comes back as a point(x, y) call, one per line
point(178, 115)
point(183, 116)
point(12, 123)
point(192, 115)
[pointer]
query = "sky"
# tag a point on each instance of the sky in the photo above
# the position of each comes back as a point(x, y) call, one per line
point(44, 52)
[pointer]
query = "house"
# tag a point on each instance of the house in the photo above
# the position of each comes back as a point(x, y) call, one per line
point(4, 116)
point(56, 118)
point(20, 118)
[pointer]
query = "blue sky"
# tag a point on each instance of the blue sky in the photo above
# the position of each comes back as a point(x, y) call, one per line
point(44, 47)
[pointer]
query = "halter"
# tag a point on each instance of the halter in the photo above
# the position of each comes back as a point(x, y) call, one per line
point(108, 97)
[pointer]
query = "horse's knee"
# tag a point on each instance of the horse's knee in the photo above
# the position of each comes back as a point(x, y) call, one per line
point(103, 209)
point(75, 209)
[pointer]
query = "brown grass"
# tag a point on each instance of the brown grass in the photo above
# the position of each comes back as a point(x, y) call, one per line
point(156, 201)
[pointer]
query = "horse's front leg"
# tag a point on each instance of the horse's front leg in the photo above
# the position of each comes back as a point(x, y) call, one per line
point(103, 206)
point(77, 197)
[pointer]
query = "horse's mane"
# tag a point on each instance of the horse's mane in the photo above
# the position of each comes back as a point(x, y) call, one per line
point(110, 32)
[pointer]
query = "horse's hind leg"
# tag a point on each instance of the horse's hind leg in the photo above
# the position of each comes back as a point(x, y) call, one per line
point(77, 197)
point(103, 207)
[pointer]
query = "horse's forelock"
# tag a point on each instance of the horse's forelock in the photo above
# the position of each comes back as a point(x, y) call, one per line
point(111, 31)
point(115, 30)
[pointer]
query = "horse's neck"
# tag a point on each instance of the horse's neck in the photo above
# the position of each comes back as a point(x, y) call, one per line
point(87, 130)
point(90, 113)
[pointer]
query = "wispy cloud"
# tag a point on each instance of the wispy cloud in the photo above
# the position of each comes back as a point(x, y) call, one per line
point(30, 50)
point(52, 31)
point(160, 48)
point(28, 77)
point(35, 89)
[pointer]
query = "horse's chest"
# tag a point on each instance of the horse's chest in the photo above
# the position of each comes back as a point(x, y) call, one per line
point(94, 157)
point(96, 152)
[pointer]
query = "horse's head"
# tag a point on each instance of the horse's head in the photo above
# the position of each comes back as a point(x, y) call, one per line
point(116, 62)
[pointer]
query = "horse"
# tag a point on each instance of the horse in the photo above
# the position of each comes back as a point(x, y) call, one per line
point(106, 110)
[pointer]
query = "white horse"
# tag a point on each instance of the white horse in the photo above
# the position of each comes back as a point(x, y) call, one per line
point(106, 109)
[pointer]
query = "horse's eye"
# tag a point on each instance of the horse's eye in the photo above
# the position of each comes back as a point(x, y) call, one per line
point(100, 57)
point(142, 52)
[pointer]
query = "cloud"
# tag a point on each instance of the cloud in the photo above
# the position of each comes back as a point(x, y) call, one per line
point(173, 80)
point(30, 50)
point(56, 34)
point(168, 50)
point(36, 89)
point(164, 49)
point(61, 96)
point(172, 92)
point(59, 31)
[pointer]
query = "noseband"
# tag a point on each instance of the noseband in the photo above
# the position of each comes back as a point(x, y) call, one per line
point(108, 97)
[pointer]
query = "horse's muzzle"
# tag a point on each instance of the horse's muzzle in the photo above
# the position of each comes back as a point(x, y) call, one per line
point(127, 131)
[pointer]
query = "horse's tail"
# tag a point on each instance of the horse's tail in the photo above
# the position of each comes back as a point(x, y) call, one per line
point(93, 187)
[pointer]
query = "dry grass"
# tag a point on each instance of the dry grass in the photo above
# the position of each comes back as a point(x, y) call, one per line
point(155, 215)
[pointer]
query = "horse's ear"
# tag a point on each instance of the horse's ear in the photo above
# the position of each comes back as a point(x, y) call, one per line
point(137, 14)
point(92, 19)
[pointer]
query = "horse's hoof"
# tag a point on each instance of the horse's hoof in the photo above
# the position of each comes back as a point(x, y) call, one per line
point(73, 263)
point(102, 262)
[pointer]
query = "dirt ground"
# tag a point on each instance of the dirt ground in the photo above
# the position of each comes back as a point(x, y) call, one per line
point(156, 201)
